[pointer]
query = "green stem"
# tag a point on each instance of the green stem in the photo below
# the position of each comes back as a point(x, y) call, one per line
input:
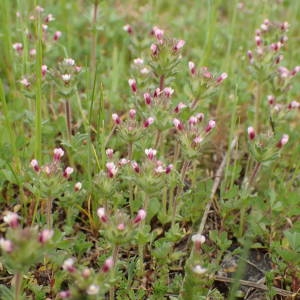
point(68, 119)
point(18, 286)
point(115, 257)
point(49, 213)
point(38, 93)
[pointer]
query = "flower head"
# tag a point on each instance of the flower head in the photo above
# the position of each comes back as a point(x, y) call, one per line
point(141, 215)
point(11, 219)
point(111, 169)
point(45, 235)
point(102, 214)
point(251, 133)
point(67, 172)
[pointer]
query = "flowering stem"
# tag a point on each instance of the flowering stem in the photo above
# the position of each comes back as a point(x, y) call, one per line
point(115, 257)
point(68, 119)
point(254, 173)
point(18, 285)
point(49, 213)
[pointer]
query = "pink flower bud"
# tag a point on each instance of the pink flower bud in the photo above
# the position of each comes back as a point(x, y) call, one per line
point(192, 67)
point(158, 33)
point(45, 235)
point(18, 47)
point(25, 82)
point(294, 105)
point(11, 219)
point(77, 186)
point(132, 84)
point(141, 215)
point(198, 240)
point(64, 294)
point(109, 152)
point(169, 168)
point(86, 273)
point(67, 172)
point(124, 161)
point(135, 166)
point(258, 40)
point(193, 121)
point(132, 113)
point(179, 107)
point(44, 70)
point(284, 26)
point(147, 98)
point(251, 133)
point(283, 141)
point(178, 125)
point(121, 227)
point(93, 289)
point(57, 35)
point(49, 18)
point(6, 245)
point(35, 165)
point(58, 153)
point(128, 28)
point(138, 61)
point(151, 153)
point(116, 119)
point(211, 124)
point(221, 78)
point(148, 122)
point(111, 169)
point(197, 140)
point(168, 92)
point(200, 117)
point(68, 265)
point(108, 264)
point(250, 56)
point(32, 52)
point(154, 49)
point(102, 214)
point(271, 99)
point(179, 45)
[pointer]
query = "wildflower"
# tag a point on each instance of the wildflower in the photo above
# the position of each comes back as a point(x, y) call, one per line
point(77, 186)
point(294, 105)
point(199, 270)
point(148, 122)
point(193, 121)
point(86, 273)
point(93, 289)
point(178, 125)
point(132, 113)
point(198, 139)
point(141, 215)
point(159, 169)
point(66, 78)
point(64, 294)
point(258, 40)
point(211, 124)
point(295, 70)
point(271, 99)
point(11, 219)
point(45, 235)
point(151, 153)
point(57, 35)
point(132, 84)
point(39, 9)
point(192, 67)
point(250, 56)
point(179, 107)
point(221, 78)
point(58, 153)
point(49, 18)
point(138, 61)
point(145, 71)
point(251, 133)
point(111, 169)
point(69, 61)
point(198, 239)
point(25, 82)
point(68, 265)
point(18, 47)
point(157, 92)
point(124, 161)
point(200, 117)
point(32, 52)
point(35, 165)
point(102, 214)
point(67, 172)
point(108, 264)
point(284, 26)
point(109, 152)
point(169, 168)
point(116, 119)
point(168, 92)
point(44, 70)
point(121, 226)
point(6, 245)
point(44, 27)
point(154, 49)
point(284, 139)
point(147, 98)
point(179, 45)
point(128, 28)
point(135, 166)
